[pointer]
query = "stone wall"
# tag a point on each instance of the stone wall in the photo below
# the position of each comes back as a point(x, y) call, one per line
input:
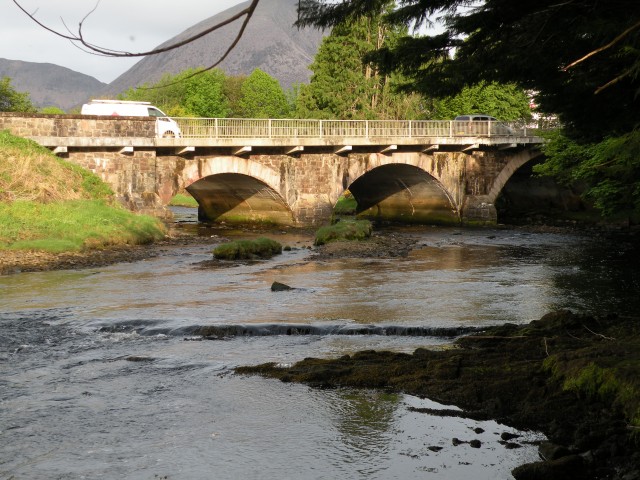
point(133, 177)
point(43, 125)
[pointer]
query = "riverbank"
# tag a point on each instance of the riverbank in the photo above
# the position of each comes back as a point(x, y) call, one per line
point(380, 245)
point(572, 377)
point(17, 261)
point(51, 209)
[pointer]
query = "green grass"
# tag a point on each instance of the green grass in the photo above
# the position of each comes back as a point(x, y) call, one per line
point(346, 205)
point(50, 204)
point(344, 230)
point(183, 200)
point(29, 171)
point(247, 249)
point(72, 226)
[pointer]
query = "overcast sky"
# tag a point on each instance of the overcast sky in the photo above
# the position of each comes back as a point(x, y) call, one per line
point(130, 25)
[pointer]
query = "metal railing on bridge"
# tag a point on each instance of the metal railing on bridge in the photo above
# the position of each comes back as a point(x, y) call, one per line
point(364, 129)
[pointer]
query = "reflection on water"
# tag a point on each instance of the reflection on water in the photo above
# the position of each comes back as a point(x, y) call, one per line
point(105, 376)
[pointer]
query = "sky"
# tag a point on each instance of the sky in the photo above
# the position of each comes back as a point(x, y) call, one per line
point(130, 25)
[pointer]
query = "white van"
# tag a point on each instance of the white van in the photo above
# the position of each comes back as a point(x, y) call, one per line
point(165, 127)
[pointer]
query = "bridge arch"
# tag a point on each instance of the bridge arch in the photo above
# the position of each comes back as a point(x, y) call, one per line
point(479, 207)
point(207, 166)
point(515, 162)
point(236, 189)
point(400, 189)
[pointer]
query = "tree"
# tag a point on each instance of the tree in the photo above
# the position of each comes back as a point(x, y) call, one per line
point(51, 110)
point(12, 100)
point(263, 97)
point(506, 102)
point(191, 93)
point(203, 94)
point(344, 85)
point(582, 57)
point(232, 90)
point(610, 169)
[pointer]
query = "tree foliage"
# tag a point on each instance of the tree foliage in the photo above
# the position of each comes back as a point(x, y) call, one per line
point(261, 96)
point(232, 90)
point(211, 93)
point(345, 85)
point(532, 43)
point(12, 100)
point(185, 94)
point(506, 102)
point(52, 110)
point(610, 168)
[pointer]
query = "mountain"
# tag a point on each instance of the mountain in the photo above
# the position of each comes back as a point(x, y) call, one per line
point(49, 84)
point(270, 43)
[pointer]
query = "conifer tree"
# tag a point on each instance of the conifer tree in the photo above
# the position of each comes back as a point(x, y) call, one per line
point(345, 85)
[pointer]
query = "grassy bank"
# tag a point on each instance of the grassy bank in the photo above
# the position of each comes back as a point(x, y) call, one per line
point(49, 204)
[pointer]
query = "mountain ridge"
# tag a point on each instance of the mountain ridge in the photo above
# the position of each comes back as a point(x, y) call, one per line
point(49, 84)
point(270, 42)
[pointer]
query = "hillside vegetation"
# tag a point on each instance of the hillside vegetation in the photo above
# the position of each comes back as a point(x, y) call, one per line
point(49, 204)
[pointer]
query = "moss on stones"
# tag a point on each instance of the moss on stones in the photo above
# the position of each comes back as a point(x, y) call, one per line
point(247, 249)
point(344, 230)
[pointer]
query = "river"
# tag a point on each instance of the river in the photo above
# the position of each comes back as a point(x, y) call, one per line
point(104, 373)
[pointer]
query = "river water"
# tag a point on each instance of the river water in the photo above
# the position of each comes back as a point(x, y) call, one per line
point(104, 373)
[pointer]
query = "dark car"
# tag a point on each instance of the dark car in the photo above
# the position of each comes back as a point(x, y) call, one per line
point(479, 124)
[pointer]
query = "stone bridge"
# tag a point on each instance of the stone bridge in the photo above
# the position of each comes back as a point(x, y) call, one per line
point(294, 171)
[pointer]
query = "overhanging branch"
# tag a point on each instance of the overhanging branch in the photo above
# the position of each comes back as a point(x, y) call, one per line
point(104, 51)
point(604, 47)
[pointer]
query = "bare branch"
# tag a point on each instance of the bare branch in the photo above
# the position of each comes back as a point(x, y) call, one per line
point(251, 8)
point(613, 82)
point(604, 47)
point(96, 49)
point(32, 17)
point(598, 334)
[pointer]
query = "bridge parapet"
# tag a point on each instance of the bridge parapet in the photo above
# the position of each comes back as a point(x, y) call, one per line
point(86, 131)
point(44, 126)
point(221, 128)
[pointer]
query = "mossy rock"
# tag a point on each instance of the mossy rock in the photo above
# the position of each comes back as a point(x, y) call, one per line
point(344, 230)
point(248, 249)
